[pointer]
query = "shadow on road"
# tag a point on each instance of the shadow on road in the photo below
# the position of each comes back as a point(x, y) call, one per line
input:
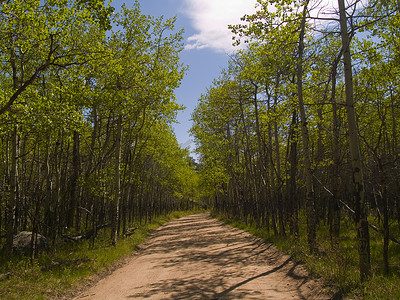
point(216, 261)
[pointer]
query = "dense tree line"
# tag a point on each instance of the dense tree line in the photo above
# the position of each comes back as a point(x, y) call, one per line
point(86, 111)
point(305, 120)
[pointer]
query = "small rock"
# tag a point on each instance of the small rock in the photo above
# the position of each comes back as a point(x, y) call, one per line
point(22, 242)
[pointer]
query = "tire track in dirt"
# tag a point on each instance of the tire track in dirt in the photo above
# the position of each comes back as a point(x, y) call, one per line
point(198, 257)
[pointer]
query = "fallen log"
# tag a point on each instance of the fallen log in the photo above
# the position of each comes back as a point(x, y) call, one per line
point(76, 262)
point(86, 235)
point(129, 231)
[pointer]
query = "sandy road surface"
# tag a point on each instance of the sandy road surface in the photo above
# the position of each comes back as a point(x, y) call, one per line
point(198, 257)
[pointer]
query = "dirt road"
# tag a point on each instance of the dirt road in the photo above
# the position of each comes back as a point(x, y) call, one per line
point(198, 257)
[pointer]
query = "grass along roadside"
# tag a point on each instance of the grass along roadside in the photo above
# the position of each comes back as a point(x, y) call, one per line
point(52, 276)
point(338, 268)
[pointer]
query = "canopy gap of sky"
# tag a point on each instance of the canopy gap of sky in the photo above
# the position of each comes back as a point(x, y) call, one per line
point(208, 44)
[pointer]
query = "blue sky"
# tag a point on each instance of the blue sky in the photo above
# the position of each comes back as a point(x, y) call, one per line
point(207, 45)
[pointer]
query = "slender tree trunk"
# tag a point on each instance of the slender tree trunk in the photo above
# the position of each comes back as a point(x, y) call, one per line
point(249, 174)
point(292, 191)
point(278, 175)
point(56, 194)
point(12, 200)
point(117, 184)
point(260, 163)
point(74, 189)
point(275, 205)
point(40, 183)
point(311, 220)
point(358, 180)
point(385, 211)
point(126, 188)
point(395, 150)
point(334, 221)
point(24, 184)
point(10, 209)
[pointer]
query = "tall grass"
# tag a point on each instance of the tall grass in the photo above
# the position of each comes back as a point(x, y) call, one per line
point(338, 268)
point(55, 275)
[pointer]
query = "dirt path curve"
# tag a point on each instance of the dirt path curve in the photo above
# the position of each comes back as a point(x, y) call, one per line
point(198, 257)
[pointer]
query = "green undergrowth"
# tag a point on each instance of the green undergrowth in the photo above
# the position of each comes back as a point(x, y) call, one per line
point(52, 275)
point(338, 268)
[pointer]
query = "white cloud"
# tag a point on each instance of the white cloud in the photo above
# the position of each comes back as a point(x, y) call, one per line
point(211, 19)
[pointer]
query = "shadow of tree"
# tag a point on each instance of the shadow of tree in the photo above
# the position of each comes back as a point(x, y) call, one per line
point(216, 261)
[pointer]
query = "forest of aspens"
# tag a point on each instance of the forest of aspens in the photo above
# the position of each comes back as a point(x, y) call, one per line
point(296, 141)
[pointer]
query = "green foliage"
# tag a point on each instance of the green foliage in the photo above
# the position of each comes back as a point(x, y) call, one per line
point(70, 71)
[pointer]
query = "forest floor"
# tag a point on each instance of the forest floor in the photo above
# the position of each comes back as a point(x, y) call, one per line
point(198, 257)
